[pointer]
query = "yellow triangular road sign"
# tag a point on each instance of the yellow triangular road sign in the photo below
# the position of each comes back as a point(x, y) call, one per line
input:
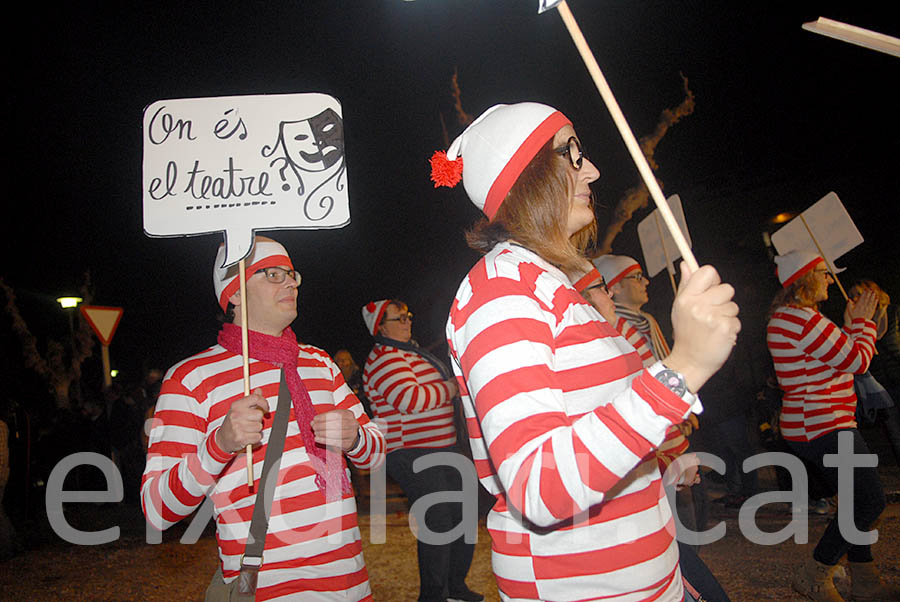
point(103, 320)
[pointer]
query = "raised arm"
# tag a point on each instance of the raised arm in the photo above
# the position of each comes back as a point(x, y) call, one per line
point(550, 464)
point(849, 350)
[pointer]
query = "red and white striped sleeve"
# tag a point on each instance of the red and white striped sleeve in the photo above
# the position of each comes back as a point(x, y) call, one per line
point(369, 452)
point(675, 442)
point(674, 445)
point(183, 461)
point(552, 465)
point(395, 379)
point(640, 343)
point(848, 350)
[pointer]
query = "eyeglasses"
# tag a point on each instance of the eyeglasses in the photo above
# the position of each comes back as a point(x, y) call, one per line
point(276, 275)
point(637, 276)
point(572, 150)
point(407, 317)
point(601, 285)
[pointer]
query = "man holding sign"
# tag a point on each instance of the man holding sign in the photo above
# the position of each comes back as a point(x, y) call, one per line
point(203, 421)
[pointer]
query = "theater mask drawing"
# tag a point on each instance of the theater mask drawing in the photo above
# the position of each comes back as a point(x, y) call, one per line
point(312, 145)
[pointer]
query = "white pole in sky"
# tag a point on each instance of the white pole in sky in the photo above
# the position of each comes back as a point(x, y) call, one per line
point(627, 135)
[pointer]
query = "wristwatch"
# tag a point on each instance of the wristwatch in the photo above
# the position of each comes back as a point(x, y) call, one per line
point(674, 381)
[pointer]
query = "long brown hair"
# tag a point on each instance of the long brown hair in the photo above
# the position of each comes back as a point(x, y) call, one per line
point(799, 293)
point(535, 213)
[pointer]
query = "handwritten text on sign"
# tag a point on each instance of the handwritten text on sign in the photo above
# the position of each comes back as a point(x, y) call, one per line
point(243, 163)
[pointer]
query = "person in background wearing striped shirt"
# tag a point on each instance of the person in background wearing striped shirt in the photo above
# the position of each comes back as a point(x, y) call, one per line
point(562, 416)
point(627, 288)
point(815, 362)
point(592, 286)
point(203, 421)
point(411, 392)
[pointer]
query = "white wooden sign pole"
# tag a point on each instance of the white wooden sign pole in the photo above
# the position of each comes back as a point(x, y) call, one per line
point(827, 264)
point(245, 354)
point(625, 131)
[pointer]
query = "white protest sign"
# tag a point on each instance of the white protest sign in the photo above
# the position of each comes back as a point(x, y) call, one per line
point(243, 163)
point(830, 224)
point(545, 5)
point(656, 249)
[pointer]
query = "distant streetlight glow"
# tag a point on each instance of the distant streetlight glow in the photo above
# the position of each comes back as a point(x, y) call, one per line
point(69, 302)
point(114, 373)
point(783, 217)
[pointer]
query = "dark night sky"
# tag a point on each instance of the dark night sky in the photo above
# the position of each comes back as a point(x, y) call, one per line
point(783, 116)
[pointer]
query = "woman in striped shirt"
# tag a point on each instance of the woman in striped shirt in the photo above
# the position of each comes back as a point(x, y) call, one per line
point(815, 362)
point(412, 393)
point(562, 416)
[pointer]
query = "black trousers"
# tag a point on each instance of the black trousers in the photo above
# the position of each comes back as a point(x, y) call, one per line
point(699, 576)
point(442, 568)
point(868, 496)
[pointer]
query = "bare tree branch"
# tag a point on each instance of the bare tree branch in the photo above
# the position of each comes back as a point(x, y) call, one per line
point(637, 197)
point(53, 367)
point(462, 117)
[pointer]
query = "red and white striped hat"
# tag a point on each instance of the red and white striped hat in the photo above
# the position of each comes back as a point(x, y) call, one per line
point(491, 153)
point(791, 266)
point(615, 267)
point(266, 253)
point(372, 313)
point(586, 279)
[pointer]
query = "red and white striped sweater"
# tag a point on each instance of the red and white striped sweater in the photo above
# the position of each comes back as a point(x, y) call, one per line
point(410, 400)
point(638, 340)
point(184, 464)
point(675, 442)
point(815, 362)
point(563, 420)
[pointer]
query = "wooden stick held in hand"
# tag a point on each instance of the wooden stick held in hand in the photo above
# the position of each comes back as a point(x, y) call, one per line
point(625, 131)
point(245, 353)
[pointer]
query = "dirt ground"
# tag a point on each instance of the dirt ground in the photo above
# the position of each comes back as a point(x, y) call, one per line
point(130, 569)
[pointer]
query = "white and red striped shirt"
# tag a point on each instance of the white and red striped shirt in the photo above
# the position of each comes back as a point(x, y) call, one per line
point(815, 362)
point(675, 442)
point(185, 464)
point(638, 340)
point(563, 420)
point(410, 400)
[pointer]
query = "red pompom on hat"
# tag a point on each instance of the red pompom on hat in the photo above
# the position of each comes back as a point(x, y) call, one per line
point(497, 147)
point(445, 172)
point(372, 313)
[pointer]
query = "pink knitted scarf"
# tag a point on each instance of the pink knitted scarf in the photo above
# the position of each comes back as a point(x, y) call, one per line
point(283, 352)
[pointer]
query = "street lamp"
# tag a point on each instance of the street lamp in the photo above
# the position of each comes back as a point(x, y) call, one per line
point(69, 302)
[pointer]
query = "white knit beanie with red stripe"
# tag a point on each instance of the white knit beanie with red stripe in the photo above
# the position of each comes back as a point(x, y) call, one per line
point(372, 313)
point(494, 150)
point(266, 253)
point(615, 267)
point(583, 280)
point(791, 266)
